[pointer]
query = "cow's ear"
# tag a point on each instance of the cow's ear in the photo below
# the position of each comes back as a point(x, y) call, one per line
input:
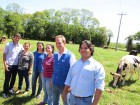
point(111, 73)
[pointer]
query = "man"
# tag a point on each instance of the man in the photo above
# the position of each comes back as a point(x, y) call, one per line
point(10, 60)
point(63, 60)
point(85, 78)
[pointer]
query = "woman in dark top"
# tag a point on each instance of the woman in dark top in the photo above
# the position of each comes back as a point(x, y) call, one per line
point(25, 62)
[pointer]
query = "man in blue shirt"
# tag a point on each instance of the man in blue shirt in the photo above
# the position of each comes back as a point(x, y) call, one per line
point(85, 79)
point(63, 60)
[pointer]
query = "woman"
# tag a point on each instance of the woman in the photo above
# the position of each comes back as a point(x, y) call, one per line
point(25, 61)
point(39, 56)
point(47, 75)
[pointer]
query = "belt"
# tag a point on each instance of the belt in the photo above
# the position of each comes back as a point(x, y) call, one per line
point(82, 97)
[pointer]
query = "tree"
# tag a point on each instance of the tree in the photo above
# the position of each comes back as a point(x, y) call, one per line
point(85, 17)
point(109, 34)
point(25, 19)
point(15, 8)
point(2, 28)
point(137, 36)
point(100, 37)
point(38, 22)
point(12, 24)
point(129, 44)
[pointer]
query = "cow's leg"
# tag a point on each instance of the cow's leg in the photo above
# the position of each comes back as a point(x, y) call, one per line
point(123, 81)
point(116, 78)
point(131, 74)
point(115, 82)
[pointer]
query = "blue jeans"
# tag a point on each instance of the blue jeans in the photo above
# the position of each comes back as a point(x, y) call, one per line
point(80, 101)
point(35, 76)
point(10, 78)
point(21, 74)
point(47, 90)
point(57, 90)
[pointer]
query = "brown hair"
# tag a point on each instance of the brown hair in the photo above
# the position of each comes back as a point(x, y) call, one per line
point(27, 43)
point(52, 46)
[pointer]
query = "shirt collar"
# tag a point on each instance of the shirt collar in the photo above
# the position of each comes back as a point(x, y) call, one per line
point(90, 59)
point(15, 44)
point(65, 51)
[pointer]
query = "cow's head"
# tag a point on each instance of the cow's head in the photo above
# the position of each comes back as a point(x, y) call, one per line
point(116, 78)
point(120, 73)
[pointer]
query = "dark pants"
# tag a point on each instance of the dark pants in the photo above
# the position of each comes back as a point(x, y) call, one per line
point(23, 74)
point(10, 78)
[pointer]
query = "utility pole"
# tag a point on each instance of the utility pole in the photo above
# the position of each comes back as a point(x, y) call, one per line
point(119, 30)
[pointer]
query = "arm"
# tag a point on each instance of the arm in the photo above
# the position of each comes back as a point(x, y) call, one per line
point(30, 69)
point(99, 84)
point(65, 92)
point(72, 59)
point(67, 85)
point(31, 64)
point(4, 62)
point(97, 97)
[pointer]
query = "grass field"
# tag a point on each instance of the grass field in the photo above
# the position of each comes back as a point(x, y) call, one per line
point(125, 95)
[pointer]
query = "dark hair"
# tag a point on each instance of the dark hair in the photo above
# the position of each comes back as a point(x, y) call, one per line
point(52, 46)
point(89, 45)
point(42, 45)
point(17, 34)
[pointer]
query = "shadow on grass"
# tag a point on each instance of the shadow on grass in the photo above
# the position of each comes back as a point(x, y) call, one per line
point(111, 84)
point(119, 85)
point(16, 100)
point(129, 82)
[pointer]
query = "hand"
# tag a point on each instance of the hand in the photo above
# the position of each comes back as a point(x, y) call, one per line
point(6, 67)
point(64, 97)
point(50, 82)
point(29, 72)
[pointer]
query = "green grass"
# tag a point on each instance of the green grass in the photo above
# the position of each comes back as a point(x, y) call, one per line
point(109, 58)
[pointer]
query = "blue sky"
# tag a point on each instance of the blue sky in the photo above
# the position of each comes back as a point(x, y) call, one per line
point(106, 11)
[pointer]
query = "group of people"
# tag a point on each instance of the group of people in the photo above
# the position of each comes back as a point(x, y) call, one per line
point(78, 82)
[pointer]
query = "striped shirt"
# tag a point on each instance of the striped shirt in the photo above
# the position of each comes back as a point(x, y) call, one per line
point(48, 67)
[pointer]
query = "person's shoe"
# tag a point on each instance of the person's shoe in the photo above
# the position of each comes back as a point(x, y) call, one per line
point(25, 93)
point(42, 103)
point(18, 91)
point(11, 91)
point(38, 96)
point(5, 95)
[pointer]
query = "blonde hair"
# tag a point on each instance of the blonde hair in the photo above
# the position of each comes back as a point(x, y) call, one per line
point(62, 37)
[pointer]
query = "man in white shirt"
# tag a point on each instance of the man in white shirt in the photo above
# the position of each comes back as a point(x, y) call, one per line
point(10, 61)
